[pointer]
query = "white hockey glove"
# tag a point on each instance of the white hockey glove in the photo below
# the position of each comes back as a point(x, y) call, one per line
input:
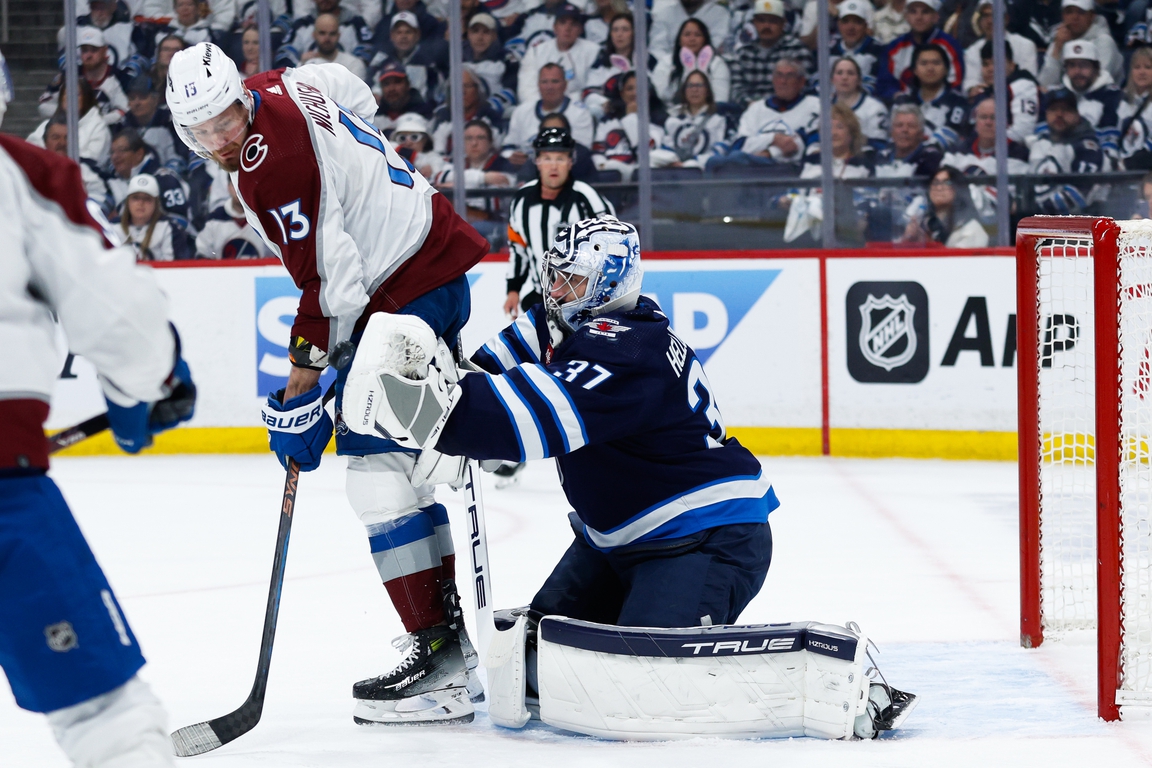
point(402, 383)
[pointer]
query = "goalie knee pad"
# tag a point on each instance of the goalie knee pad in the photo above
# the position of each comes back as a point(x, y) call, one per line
point(124, 728)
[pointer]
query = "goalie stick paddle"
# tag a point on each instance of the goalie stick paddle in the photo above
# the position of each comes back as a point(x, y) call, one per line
point(204, 737)
point(82, 431)
point(481, 574)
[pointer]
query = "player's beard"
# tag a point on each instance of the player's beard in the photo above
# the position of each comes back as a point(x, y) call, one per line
point(231, 163)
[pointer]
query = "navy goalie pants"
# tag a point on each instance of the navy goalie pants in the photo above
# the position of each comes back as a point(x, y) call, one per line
point(63, 639)
point(706, 578)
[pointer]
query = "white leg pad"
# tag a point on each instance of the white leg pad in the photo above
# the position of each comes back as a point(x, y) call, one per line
point(725, 681)
point(506, 676)
point(380, 487)
point(124, 728)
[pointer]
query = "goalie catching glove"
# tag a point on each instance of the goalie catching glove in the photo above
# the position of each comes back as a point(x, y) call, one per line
point(402, 383)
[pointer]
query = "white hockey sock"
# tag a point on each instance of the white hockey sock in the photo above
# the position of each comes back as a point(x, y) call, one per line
point(124, 728)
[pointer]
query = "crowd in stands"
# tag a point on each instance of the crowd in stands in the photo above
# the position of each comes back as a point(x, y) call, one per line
point(732, 86)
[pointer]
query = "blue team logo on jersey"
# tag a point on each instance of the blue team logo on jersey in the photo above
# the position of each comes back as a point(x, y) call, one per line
point(705, 307)
point(276, 302)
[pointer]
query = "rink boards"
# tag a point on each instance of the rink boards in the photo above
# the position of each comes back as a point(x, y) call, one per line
point(856, 353)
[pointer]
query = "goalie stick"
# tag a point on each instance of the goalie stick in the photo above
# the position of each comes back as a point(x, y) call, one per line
point(204, 737)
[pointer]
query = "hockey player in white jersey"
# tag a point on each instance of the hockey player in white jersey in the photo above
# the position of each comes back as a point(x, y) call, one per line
point(360, 232)
point(65, 646)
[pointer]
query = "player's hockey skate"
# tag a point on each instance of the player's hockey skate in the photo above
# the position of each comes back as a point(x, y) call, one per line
point(428, 687)
point(508, 473)
point(887, 709)
point(455, 616)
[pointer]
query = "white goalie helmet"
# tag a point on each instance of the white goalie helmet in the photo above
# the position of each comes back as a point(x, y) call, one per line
point(203, 83)
point(598, 260)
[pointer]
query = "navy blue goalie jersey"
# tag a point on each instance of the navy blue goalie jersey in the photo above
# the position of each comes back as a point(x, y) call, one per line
point(626, 409)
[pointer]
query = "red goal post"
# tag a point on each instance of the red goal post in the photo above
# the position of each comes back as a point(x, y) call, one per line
point(1085, 426)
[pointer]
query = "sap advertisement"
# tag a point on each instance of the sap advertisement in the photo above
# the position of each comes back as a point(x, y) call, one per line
point(913, 343)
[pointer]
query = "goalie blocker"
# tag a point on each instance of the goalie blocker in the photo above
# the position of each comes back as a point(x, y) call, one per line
point(643, 684)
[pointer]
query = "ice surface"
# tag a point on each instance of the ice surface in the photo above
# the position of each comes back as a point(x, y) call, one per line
point(923, 554)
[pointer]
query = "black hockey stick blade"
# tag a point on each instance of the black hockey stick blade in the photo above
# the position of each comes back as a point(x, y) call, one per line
point(205, 737)
point(81, 431)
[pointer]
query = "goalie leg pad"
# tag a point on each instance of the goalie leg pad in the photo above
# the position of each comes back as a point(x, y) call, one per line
point(625, 683)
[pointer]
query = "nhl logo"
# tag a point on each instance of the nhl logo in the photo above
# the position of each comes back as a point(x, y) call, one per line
point(61, 637)
point(887, 335)
point(887, 338)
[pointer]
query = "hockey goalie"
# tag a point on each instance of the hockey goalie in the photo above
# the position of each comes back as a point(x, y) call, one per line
point(632, 636)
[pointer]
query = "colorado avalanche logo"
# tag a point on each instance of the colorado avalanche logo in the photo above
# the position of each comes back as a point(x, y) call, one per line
point(253, 152)
point(887, 338)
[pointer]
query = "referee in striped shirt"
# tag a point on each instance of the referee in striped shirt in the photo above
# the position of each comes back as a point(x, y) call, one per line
point(539, 209)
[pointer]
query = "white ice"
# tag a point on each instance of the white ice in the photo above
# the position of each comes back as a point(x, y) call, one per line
point(923, 554)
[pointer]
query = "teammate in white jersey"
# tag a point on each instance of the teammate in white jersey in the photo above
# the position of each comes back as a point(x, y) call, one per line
point(360, 232)
point(64, 644)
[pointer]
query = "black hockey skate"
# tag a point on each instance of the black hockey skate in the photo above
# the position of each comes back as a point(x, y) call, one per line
point(508, 473)
point(455, 616)
point(887, 709)
point(429, 686)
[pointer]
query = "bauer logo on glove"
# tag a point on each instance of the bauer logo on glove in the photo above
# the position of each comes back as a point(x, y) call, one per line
point(402, 382)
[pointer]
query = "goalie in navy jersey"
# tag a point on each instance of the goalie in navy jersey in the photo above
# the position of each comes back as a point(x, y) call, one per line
point(671, 514)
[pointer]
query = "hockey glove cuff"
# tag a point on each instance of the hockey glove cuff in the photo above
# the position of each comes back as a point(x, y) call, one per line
point(129, 426)
point(298, 429)
point(180, 404)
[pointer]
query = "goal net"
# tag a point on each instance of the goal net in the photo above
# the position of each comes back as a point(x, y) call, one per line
point(1084, 314)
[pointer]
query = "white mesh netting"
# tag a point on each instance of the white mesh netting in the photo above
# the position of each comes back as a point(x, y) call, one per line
point(1135, 325)
point(1067, 472)
point(1067, 402)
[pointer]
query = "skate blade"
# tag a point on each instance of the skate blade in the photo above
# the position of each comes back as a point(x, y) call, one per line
point(418, 710)
point(906, 710)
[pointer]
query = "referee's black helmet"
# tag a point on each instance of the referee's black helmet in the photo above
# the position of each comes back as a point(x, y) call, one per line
point(554, 140)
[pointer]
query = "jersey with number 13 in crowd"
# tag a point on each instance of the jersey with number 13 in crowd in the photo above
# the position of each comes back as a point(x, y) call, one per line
point(359, 230)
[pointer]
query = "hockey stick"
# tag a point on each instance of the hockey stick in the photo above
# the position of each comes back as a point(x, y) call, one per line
point(481, 574)
point(204, 737)
point(207, 736)
point(82, 431)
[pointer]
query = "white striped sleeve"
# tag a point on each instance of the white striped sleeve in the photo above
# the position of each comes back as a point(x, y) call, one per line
point(563, 409)
point(524, 423)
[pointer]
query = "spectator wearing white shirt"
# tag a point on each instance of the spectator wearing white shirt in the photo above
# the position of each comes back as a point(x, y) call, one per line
point(412, 139)
point(525, 122)
point(600, 16)
point(617, 56)
point(326, 33)
point(145, 227)
point(666, 22)
point(693, 51)
point(618, 135)
point(1083, 24)
point(847, 84)
point(778, 127)
point(1023, 51)
point(228, 235)
point(106, 80)
point(574, 54)
point(694, 130)
point(95, 139)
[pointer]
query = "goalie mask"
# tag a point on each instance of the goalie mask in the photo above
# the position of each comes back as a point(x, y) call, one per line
point(203, 84)
point(593, 267)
